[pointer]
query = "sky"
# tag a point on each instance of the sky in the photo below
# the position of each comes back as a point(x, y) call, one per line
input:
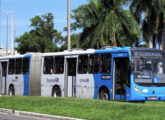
point(24, 10)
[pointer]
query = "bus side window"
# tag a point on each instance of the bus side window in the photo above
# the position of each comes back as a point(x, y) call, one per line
point(58, 67)
point(82, 64)
point(25, 65)
point(18, 66)
point(11, 66)
point(128, 77)
point(105, 63)
point(93, 65)
point(48, 65)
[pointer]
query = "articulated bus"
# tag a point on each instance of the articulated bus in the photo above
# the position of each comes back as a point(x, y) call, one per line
point(118, 73)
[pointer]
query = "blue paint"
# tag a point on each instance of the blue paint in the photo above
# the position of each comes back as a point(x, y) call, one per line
point(26, 84)
point(146, 93)
point(156, 80)
point(142, 96)
point(27, 77)
point(98, 81)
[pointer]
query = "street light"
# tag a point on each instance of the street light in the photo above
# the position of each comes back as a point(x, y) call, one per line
point(68, 21)
point(0, 23)
point(7, 12)
point(12, 34)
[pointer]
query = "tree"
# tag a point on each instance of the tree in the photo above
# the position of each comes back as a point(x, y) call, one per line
point(152, 11)
point(42, 38)
point(74, 42)
point(101, 21)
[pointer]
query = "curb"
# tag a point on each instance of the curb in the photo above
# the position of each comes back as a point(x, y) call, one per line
point(31, 114)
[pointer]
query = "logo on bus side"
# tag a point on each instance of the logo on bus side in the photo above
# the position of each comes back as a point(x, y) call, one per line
point(84, 80)
point(14, 80)
point(56, 80)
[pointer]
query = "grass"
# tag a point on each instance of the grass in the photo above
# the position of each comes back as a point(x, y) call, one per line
point(85, 108)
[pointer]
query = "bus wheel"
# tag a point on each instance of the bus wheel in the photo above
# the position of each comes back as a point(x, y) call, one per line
point(11, 90)
point(104, 94)
point(56, 92)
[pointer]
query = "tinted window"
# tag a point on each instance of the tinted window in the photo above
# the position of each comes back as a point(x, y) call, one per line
point(93, 65)
point(18, 66)
point(58, 67)
point(82, 64)
point(25, 65)
point(105, 63)
point(11, 66)
point(48, 65)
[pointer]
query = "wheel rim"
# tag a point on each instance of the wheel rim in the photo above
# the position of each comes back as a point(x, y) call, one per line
point(105, 96)
point(55, 94)
point(10, 93)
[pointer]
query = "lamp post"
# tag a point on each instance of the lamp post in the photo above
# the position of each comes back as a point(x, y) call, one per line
point(0, 23)
point(68, 22)
point(7, 12)
point(12, 34)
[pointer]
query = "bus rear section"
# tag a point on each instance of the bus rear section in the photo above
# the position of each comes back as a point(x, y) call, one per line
point(147, 75)
point(20, 75)
point(3, 76)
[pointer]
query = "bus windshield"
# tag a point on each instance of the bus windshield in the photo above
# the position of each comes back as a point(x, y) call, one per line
point(150, 71)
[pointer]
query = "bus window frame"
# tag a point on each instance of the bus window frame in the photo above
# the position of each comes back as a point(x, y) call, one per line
point(58, 66)
point(23, 65)
point(100, 63)
point(13, 72)
point(83, 64)
point(45, 66)
point(98, 57)
point(19, 67)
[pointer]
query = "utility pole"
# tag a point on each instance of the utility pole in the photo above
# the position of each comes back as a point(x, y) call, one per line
point(68, 21)
point(0, 23)
point(12, 34)
point(7, 13)
point(14, 40)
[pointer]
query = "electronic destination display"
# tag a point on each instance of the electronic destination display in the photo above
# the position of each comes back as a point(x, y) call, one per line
point(147, 53)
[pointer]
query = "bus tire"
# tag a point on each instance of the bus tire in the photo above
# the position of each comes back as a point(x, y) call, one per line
point(104, 94)
point(11, 90)
point(56, 92)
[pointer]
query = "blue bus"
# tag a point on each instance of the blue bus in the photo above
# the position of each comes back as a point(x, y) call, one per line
point(126, 74)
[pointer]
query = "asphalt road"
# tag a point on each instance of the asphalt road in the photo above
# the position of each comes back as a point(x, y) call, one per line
point(15, 117)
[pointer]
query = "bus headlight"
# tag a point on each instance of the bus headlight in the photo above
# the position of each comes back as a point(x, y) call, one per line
point(137, 89)
point(145, 91)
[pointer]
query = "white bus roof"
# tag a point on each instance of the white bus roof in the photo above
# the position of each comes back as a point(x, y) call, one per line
point(72, 52)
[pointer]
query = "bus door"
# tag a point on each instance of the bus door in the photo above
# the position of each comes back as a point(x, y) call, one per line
point(120, 77)
point(70, 82)
point(3, 77)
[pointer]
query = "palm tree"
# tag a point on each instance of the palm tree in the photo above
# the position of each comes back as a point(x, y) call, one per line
point(88, 18)
point(151, 10)
point(101, 21)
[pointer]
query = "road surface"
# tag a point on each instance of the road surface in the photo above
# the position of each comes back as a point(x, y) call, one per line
point(17, 117)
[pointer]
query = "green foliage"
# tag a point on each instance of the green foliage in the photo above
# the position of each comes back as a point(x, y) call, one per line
point(153, 11)
point(104, 22)
point(85, 108)
point(42, 38)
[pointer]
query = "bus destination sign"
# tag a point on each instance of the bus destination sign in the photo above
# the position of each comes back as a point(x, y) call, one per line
point(147, 54)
